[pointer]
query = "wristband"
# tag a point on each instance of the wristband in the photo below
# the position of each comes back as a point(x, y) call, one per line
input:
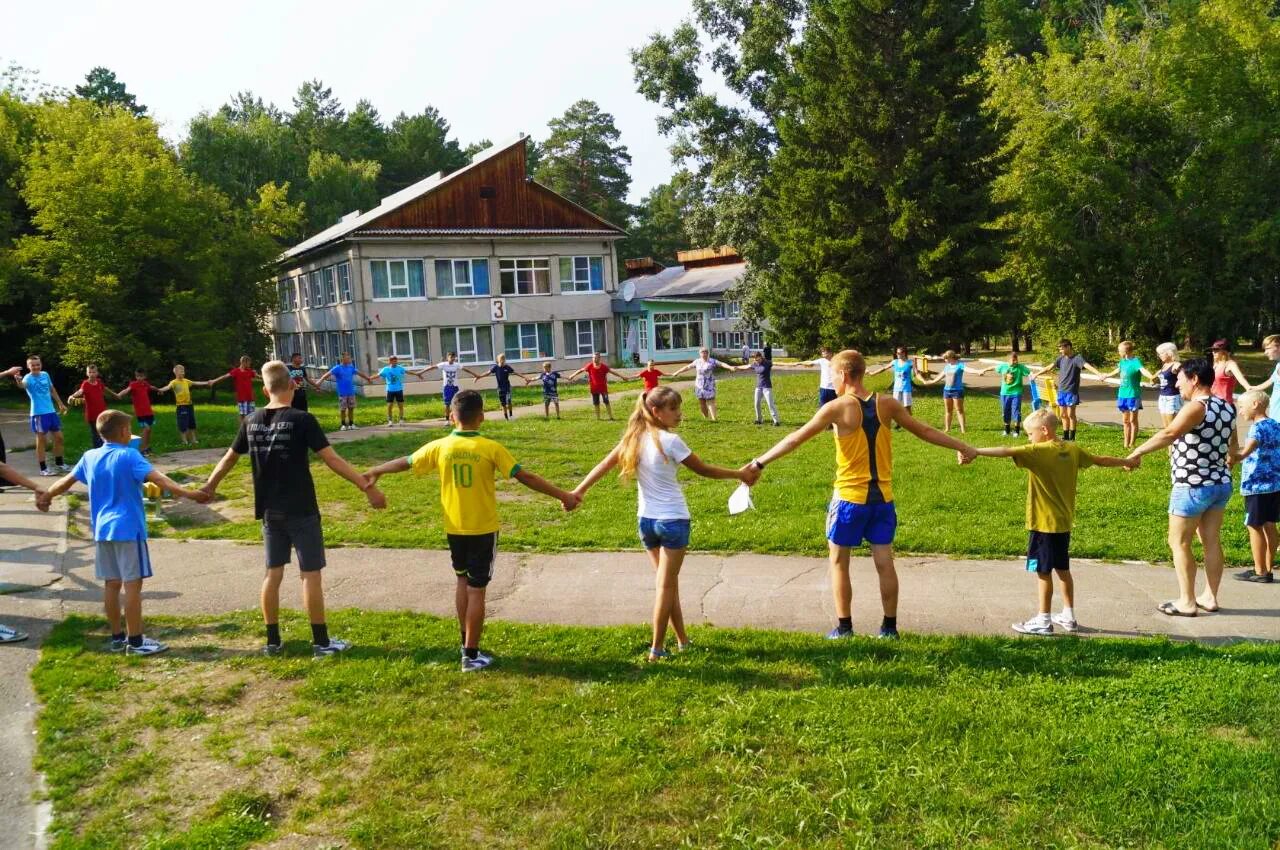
point(757, 464)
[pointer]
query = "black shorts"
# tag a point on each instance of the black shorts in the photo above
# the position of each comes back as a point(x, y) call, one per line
point(186, 417)
point(299, 400)
point(596, 398)
point(395, 396)
point(1261, 509)
point(284, 534)
point(1048, 551)
point(473, 556)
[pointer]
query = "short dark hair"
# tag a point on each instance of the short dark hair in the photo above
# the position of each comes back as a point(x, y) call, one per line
point(1065, 343)
point(142, 372)
point(1199, 368)
point(467, 406)
point(295, 354)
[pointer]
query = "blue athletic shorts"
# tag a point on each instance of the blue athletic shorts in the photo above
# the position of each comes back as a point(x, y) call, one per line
point(146, 421)
point(667, 533)
point(45, 423)
point(450, 390)
point(1068, 399)
point(1011, 408)
point(1185, 501)
point(186, 417)
point(849, 524)
point(825, 395)
point(947, 392)
point(1128, 405)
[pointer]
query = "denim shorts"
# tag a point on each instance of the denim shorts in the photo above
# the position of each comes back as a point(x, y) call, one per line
point(1169, 404)
point(948, 392)
point(1068, 399)
point(667, 533)
point(1186, 501)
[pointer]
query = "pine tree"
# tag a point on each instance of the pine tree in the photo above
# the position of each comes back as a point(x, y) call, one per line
point(101, 86)
point(583, 161)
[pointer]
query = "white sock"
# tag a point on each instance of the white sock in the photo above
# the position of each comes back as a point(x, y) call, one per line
point(1069, 613)
point(1042, 617)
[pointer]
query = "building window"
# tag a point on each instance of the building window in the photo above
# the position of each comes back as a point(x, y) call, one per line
point(409, 346)
point(344, 282)
point(330, 285)
point(644, 334)
point(582, 274)
point(527, 341)
point(718, 340)
point(335, 348)
point(733, 309)
point(397, 279)
point(282, 295)
point(462, 278)
point(529, 276)
point(471, 344)
point(348, 343)
point(677, 330)
point(586, 336)
point(304, 286)
point(717, 310)
point(295, 286)
point(755, 339)
point(317, 289)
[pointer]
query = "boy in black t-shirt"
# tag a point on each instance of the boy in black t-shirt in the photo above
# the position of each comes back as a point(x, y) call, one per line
point(278, 439)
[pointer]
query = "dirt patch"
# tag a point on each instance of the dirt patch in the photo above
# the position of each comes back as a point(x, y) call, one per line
point(181, 513)
point(1237, 735)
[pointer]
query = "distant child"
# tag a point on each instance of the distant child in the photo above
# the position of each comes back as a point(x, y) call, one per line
point(651, 375)
point(8, 634)
point(550, 389)
point(1069, 366)
point(1129, 395)
point(139, 391)
point(952, 390)
point(242, 377)
point(826, 385)
point(1012, 374)
point(764, 385)
point(44, 418)
point(449, 370)
point(278, 439)
point(652, 453)
point(904, 371)
point(598, 382)
point(185, 407)
point(393, 376)
point(114, 475)
point(468, 464)
point(862, 506)
point(344, 375)
point(501, 373)
point(1052, 467)
point(298, 375)
point(92, 393)
point(1260, 484)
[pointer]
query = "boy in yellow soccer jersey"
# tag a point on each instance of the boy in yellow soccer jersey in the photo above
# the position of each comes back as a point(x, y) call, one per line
point(185, 407)
point(468, 464)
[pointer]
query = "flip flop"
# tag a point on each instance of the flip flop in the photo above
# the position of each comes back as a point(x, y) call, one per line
point(1171, 609)
point(8, 635)
point(1212, 610)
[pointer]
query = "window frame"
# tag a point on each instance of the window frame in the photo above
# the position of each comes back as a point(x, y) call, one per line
point(717, 310)
point(410, 358)
point(343, 272)
point(537, 341)
point(329, 279)
point(408, 286)
point(470, 264)
point(455, 346)
point(317, 289)
point(673, 319)
point(533, 268)
point(576, 351)
point(571, 285)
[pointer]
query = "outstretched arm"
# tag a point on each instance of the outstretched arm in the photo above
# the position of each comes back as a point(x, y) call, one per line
point(13, 476)
point(1115, 462)
point(220, 471)
point(1234, 369)
point(155, 476)
point(821, 421)
point(928, 433)
point(601, 469)
point(575, 374)
point(400, 464)
point(338, 464)
point(682, 370)
point(59, 487)
point(707, 470)
point(541, 485)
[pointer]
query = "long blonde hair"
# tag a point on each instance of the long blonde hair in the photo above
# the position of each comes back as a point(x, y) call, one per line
point(642, 422)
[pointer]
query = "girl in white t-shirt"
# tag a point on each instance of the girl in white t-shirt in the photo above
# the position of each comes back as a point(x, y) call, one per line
point(652, 453)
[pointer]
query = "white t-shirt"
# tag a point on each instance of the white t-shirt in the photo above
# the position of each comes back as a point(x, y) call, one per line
point(660, 493)
point(449, 371)
point(824, 374)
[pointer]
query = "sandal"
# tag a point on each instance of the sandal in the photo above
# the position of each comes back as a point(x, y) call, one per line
point(10, 635)
point(1212, 610)
point(1171, 609)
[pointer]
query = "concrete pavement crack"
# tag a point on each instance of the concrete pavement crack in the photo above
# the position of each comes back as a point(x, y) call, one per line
point(702, 603)
point(801, 575)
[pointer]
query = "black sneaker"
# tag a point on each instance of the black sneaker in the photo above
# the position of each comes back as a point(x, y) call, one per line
point(1250, 575)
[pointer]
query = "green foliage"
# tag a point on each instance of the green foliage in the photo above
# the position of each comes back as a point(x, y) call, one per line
point(336, 186)
point(418, 146)
point(582, 160)
point(657, 227)
point(101, 87)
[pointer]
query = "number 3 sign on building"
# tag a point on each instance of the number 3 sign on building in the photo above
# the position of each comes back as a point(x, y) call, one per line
point(498, 309)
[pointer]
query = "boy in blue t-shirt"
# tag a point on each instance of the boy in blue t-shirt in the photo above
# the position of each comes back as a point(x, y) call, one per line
point(502, 375)
point(44, 418)
point(550, 389)
point(1259, 484)
point(114, 476)
point(344, 374)
point(393, 376)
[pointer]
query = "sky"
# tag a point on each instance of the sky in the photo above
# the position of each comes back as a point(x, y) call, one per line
point(493, 68)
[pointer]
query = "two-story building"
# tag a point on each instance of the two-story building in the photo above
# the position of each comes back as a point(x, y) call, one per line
point(481, 261)
point(667, 314)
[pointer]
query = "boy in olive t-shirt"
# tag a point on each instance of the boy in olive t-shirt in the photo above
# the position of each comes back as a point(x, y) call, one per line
point(468, 464)
point(1052, 467)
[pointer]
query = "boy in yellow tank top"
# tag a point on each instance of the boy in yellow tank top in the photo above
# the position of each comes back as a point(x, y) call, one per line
point(862, 505)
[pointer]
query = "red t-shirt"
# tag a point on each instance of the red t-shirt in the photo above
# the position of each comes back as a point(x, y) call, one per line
point(140, 395)
point(243, 379)
point(598, 377)
point(650, 378)
point(94, 400)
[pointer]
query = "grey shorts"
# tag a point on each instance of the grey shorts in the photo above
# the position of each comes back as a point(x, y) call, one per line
point(121, 560)
point(284, 535)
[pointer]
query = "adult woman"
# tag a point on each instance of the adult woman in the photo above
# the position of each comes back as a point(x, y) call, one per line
point(1201, 437)
point(1226, 372)
point(704, 385)
point(1169, 400)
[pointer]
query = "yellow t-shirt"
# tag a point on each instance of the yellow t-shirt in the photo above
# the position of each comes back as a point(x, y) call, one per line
point(181, 391)
point(468, 464)
point(1051, 483)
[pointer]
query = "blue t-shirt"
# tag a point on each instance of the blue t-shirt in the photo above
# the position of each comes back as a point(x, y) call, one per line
point(550, 382)
point(902, 376)
point(345, 377)
point(1260, 471)
point(114, 476)
point(764, 374)
point(394, 376)
point(39, 388)
point(503, 375)
point(1274, 409)
point(953, 376)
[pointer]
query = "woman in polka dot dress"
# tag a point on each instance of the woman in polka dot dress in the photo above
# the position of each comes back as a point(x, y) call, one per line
point(1200, 439)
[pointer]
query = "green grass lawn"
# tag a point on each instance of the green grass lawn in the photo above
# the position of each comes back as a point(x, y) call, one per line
point(755, 739)
point(976, 510)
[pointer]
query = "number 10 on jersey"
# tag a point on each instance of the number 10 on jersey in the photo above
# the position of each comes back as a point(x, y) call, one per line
point(461, 475)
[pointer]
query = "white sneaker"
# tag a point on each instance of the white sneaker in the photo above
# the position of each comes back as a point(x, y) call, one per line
point(1035, 626)
point(1068, 624)
point(47, 473)
point(390, 423)
point(64, 468)
point(472, 665)
point(335, 646)
point(149, 647)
